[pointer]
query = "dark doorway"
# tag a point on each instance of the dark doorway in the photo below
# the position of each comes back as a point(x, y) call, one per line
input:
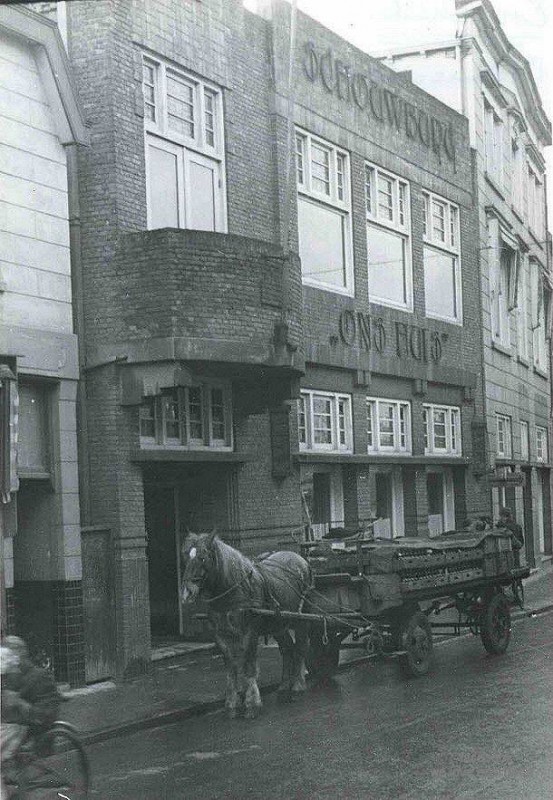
point(528, 518)
point(159, 513)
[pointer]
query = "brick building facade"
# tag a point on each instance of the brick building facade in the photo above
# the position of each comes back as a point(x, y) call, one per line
point(278, 300)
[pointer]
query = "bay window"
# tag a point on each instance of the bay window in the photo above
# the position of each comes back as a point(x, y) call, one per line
point(388, 238)
point(325, 421)
point(324, 214)
point(442, 430)
point(183, 119)
point(388, 426)
point(442, 271)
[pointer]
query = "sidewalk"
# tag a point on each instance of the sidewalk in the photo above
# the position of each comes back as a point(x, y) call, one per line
point(190, 679)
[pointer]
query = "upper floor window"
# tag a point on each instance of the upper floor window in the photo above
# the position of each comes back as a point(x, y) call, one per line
point(194, 417)
point(324, 421)
point(540, 313)
point(504, 438)
point(324, 214)
point(541, 444)
point(388, 426)
point(536, 201)
point(35, 429)
point(522, 309)
point(524, 441)
point(388, 238)
point(517, 171)
point(442, 430)
point(442, 271)
point(493, 142)
point(503, 293)
point(183, 117)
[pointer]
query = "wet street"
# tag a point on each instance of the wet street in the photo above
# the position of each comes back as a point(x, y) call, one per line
point(476, 727)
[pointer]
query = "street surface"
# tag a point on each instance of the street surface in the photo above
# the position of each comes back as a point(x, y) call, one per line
point(476, 727)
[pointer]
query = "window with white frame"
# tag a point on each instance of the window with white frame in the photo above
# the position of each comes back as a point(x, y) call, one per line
point(183, 119)
point(522, 309)
point(541, 444)
point(504, 439)
point(536, 202)
point(524, 441)
point(517, 170)
point(194, 417)
point(388, 426)
point(540, 312)
point(493, 141)
point(442, 270)
point(504, 293)
point(442, 430)
point(324, 214)
point(388, 238)
point(325, 421)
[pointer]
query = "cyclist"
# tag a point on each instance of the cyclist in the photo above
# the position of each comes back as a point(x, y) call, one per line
point(30, 698)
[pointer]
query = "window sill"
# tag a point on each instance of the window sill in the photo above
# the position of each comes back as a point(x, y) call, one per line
point(501, 348)
point(324, 287)
point(33, 475)
point(174, 454)
point(386, 304)
point(541, 372)
point(523, 361)
point(448, 320)
point(493, 183)
point(536, 238)
point(518, 214)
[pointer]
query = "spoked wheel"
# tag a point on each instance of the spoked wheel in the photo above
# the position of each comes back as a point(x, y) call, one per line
point(323, 657)
point(58, 768)
point(414, 635)
point(495, 623)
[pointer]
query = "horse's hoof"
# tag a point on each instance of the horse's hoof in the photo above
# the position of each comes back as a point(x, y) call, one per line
point(252, 712)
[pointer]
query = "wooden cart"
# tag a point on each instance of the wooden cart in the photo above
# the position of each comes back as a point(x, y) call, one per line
point(387, 597)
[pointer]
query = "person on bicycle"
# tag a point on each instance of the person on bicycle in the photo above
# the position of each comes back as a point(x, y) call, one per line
point(30, 698)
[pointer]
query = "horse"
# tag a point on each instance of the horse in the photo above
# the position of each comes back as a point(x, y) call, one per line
point(231, 584)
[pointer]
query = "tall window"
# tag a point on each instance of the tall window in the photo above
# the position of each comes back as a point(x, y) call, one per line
point(183, 118)
point(324, 421)
point(324, 214)
point(193, 417)
point(517, 170)
point(524, 441)
point(388, 238)
point(504, 293)
point(33, 450)
point(442, 273)
point(388, 426)
point(536, 201)
point(540, 313)
point(493, 142)
point(541, 444)
point(504, 438)
point(522, 309)
point(442, 430)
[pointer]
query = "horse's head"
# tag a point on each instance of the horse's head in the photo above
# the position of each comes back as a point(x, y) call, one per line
point(198, 563)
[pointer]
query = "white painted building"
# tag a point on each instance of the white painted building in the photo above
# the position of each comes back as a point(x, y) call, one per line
point(480, 74)
point(40, 125)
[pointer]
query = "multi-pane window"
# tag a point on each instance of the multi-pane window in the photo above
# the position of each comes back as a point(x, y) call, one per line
point(504, 293)
point(388, 238)
point(540, 312)
point(504, 437)
point(522, 309)
point(493, 142)
point(324, 421)
point(524, 441)
point(541, 444)
point(188, 416)
point(536, 202)
point(388, 426)
point(517, 171)
point(324, 214)
point(183, 118)
point(442, 272)
point(442, 430)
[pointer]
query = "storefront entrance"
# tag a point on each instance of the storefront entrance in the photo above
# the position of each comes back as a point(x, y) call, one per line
point(441, 504)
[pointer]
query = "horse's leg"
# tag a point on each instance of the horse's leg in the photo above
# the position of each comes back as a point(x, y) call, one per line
point(232, 700)
point(298, 683)
point(286, 647)
point(252, 699)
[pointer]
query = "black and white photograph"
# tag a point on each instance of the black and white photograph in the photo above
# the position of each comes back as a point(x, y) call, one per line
point(276, 487)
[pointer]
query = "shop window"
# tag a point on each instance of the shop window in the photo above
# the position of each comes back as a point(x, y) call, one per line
point(388, 426)
point(33, 449)
point(542, 449)
point(524, 441)
point(183, 118)
point(324, 214)
point(493, 142)
point(324, 421)
point(504, 447)
point(540, 313)
point(193, 417)
point(442, 430)
point(442, 271)
point(388, 238)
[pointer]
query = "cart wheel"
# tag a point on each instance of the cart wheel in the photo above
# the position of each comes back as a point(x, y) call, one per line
point(415, 636)
point(322, 659)
point(495, 624)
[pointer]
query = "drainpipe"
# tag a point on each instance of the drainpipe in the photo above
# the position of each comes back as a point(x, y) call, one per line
point(78, 326)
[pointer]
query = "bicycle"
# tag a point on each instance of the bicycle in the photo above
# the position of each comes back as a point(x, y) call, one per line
point(50, 764)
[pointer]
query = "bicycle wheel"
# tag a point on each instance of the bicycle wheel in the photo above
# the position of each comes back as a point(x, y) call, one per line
point(59, 770)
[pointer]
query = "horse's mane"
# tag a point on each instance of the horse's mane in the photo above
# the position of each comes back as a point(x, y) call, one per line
point(231, 566)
